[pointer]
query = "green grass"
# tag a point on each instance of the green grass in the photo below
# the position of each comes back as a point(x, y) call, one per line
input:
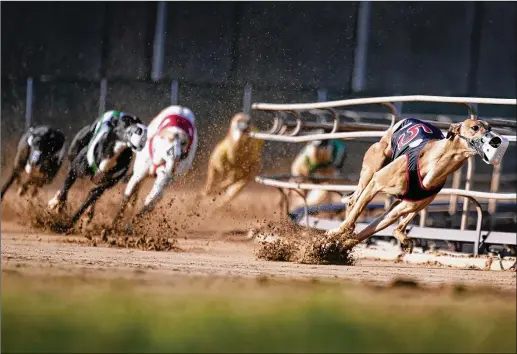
point(241, 315)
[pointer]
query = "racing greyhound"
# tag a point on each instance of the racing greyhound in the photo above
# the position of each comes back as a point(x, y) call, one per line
point(40, 153)
point(420, 160)
point(103, 152)
point(323, 158)
point(169, 151)
point(235, 160)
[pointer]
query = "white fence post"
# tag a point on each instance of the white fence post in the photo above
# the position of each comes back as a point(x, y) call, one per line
point(246, 100)
point(102, 96)
point(174, 92)
point(28, 103)
point(159, 41)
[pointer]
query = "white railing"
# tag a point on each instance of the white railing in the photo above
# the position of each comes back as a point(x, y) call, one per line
point(327, 136)
point(374, 100)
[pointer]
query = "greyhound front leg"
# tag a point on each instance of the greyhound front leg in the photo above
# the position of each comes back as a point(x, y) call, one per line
point(372, 162)
point(348, 226)
point(57, 203)
point(89, 214)
point(232, 192)
point(132, 189)
point(210, 179)
point(162, 181)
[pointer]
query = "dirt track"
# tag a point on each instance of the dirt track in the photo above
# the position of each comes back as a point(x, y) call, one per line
point(215, 246)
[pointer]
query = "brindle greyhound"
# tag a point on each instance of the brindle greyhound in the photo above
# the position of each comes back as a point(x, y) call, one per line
point(103, 152)
point(420, 160)
point(40, 155)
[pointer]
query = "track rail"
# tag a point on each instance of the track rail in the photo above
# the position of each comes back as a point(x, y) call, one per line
point(380, 100)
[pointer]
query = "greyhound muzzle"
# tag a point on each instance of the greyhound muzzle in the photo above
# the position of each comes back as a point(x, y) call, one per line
point(490, 146)
point(34, 162)
point(243, 126)
point(137, 137)
point(176, 152)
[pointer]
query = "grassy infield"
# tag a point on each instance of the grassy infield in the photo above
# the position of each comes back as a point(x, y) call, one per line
point(66, 314)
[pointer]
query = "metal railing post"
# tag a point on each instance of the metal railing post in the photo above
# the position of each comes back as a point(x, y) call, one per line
point(28, 102)
point(361, 49)
point(159, 41)
point(246, 100)
point(102, 96)
point(322, 95)
point(174, 92)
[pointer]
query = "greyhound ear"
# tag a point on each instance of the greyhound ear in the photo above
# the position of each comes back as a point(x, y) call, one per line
point(454, 129)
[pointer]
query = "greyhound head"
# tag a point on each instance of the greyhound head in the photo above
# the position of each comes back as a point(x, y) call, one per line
point(132, 131)
point(478, 137)
point(321, 150)
point(173, 138)
point(240, 126)
point(43, 147)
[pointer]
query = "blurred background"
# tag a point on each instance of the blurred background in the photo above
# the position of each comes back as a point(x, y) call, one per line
point(76, 59)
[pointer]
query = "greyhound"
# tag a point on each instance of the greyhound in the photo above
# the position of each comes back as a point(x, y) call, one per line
point(103, 152)
point(420, 160)
point(169, 151)
point(235, 160)
point(323, 158)
point(40, 154)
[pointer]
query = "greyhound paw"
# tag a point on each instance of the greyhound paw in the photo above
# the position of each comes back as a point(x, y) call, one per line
point(407, 246)
point(345, 231)
point(55, 204)
point(333, 232)
point(128, 229)
point(105, 233)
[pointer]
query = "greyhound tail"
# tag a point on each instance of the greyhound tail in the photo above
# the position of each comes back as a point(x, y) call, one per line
point(393, 120)
point(7, 184)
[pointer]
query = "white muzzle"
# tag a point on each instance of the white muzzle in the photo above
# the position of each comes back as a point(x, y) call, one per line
point(491, 147)
point(137, 137)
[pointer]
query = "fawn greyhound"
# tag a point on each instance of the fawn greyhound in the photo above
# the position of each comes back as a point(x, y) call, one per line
point(234, 162)
point(420, 160)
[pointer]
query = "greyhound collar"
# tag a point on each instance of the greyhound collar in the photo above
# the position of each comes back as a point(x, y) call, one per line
point(172, 121)
point(490, 146)
point(101, 129)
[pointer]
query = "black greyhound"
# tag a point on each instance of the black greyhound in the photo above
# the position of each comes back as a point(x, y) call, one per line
point(38, 158)
point(102, 152)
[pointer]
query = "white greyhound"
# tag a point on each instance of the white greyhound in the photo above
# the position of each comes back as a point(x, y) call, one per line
point(169, 151)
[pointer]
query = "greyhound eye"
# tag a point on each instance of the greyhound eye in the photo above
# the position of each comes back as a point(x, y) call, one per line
point(475, 128)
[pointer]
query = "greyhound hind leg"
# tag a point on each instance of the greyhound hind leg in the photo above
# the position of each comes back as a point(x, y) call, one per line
point(373, 161)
